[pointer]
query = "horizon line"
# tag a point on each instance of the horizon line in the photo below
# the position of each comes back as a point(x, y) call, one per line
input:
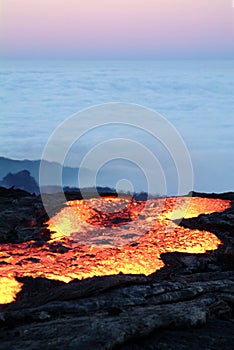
point(88, 59)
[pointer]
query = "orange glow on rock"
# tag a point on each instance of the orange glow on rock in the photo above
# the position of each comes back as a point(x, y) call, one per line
point(107, 236)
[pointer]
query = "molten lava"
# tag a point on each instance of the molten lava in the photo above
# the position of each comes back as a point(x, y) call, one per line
point(107, 236)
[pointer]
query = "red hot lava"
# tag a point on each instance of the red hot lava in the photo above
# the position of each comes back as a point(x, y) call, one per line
point(107, 236)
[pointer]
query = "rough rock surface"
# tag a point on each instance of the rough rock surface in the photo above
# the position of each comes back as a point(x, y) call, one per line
point(20, 216)
point(188, 304)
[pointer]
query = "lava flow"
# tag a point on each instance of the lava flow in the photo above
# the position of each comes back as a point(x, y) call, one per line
point(107, 236)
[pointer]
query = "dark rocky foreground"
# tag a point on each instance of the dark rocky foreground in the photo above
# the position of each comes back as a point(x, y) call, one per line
point(188, 304)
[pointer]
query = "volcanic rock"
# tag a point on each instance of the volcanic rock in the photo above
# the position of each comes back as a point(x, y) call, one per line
point(20, 214)
point(188, 304)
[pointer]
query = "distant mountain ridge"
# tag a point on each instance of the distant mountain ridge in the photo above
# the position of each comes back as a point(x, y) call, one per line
point(14, 166)
point(105, 184)
point(70, 175)
point(21, 174)
point(21, 180)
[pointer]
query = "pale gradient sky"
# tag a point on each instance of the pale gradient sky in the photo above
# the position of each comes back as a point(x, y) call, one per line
point(116, 28)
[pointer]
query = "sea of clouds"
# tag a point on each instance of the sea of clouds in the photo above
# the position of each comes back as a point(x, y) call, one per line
point(195, 96)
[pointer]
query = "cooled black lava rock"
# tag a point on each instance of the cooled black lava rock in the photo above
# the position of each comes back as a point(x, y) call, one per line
point(188, 304)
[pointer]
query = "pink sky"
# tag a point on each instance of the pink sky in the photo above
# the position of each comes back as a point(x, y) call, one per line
point(117, 28)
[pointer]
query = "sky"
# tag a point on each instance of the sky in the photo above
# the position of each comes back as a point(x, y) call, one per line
point(90, 29)
point(197, 95)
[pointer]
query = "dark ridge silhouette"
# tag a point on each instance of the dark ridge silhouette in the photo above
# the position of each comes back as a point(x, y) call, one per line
point(21, 180)
point(225, 195)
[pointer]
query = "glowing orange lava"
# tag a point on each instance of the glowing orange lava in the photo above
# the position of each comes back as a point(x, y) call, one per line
point(9, 287)
point(107, 236)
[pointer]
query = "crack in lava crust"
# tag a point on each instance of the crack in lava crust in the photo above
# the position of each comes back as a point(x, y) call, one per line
point(84, 246)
